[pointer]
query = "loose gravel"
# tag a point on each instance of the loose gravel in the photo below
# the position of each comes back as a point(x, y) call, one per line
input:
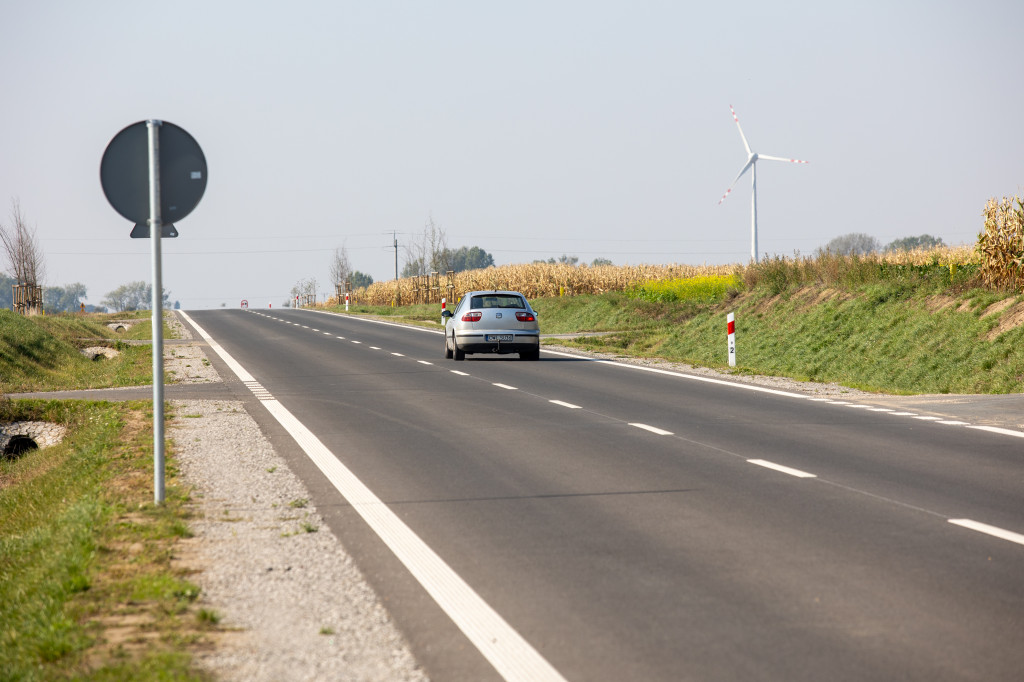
point(292, 603)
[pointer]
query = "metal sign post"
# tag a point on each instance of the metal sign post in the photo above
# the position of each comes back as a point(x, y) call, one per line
point(155, 229)
point(176, 177)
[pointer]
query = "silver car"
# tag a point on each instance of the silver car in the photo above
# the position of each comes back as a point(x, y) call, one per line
point(491, 322)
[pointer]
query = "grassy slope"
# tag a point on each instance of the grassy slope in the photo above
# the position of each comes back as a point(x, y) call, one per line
point(879, 338)
point(86, 586)
point(42, 353)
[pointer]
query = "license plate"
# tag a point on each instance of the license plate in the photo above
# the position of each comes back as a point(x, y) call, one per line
point(498, 337)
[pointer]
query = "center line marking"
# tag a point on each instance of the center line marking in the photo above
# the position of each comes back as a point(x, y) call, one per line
point(354, 341)
point(652, 429)
point(511, 388)
point(341, 337)
point(374, 347)
point(424, 362)
point(989, 530)
point(461, 374)
point(779, 467)
point(563, 404)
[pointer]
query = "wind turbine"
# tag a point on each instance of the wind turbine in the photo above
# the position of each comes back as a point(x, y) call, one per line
point(752, 159)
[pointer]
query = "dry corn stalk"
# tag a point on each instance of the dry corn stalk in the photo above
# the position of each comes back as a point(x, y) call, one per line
point(539, 280)
point(1001, 245)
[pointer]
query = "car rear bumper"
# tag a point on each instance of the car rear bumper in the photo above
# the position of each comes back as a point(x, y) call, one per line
point(476, 342)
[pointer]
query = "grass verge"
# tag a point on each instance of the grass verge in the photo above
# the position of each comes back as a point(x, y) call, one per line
point(87, 589)
point(879, 338)
point(43, 353)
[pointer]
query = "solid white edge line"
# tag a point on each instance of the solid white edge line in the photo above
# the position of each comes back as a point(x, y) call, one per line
point(989, 530)
point(565, 404)
point(778, 467)
point(999, 430)
point(509, 653)
point(652, 429)
point(709, 380)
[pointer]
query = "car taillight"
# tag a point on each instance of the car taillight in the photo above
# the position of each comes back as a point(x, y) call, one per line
point(473, 316)
point(525, 317)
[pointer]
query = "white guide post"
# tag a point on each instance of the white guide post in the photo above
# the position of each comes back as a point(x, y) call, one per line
point(155, 230)
point(731, 327)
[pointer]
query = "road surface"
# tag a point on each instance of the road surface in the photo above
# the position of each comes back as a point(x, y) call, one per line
point(587, 520)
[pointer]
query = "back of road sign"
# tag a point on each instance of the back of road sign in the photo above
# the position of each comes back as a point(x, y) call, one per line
point(124, 174)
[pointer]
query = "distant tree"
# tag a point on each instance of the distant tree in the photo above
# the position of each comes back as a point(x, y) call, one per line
point(24, 255)
point(305, 287)
point(854, 243)
point(564, 259)
point(469, 258)
point(427, 252)
point(133, 296)
point(924, 241)
point(360, 280)
point(340, 269)
point(601, 261)
point(67, 299)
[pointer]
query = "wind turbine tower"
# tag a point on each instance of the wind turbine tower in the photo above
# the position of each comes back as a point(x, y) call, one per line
point(751, 164)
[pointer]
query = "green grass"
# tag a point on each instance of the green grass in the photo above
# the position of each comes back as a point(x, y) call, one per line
point(42, 353)
point(85, 553)
point(885, 338)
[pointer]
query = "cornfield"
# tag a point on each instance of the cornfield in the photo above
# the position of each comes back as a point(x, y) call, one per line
point(1001, 245)
point(539, 280)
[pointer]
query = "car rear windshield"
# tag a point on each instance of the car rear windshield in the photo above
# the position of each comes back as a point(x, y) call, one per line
point(497, 301)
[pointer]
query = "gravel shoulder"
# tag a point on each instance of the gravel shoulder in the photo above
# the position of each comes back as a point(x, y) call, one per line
point(293, 605)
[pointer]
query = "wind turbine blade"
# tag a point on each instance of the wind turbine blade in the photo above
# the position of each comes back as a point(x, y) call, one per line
point(749, 163)
point(779, 158)
point(742, 136)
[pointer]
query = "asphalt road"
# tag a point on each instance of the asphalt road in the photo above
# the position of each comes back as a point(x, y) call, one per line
point(632, 524)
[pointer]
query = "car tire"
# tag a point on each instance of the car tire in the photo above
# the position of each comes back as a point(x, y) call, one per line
point(447, 351)
point(459, 354)
point(529, 355)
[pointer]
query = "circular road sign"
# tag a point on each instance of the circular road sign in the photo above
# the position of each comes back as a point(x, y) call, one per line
point(124, 174)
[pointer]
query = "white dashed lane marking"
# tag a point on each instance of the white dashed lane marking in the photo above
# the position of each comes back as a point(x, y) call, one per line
point(783, 469)
point(989, 530)
point(652, 429)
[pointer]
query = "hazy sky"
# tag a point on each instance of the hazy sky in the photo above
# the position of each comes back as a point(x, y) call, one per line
point(530, 129)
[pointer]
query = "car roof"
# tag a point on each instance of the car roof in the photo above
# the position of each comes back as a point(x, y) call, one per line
point(494, 291)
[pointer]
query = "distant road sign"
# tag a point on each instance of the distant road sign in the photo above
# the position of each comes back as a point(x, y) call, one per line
point(124, 174)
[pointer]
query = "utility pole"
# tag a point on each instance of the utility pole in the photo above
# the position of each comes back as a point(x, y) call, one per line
point(398, 291)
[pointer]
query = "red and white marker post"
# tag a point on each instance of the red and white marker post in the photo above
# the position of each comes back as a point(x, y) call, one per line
point(444, 304)
point(731, 322)
point(346, 301)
